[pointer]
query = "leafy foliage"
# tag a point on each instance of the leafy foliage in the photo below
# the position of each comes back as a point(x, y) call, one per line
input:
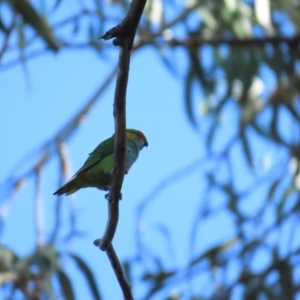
point(34, 274)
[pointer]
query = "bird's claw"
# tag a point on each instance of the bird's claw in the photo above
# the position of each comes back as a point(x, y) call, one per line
point(112, 171)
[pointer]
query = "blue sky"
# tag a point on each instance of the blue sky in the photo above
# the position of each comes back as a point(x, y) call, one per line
point(35, 107)
point(36, 104)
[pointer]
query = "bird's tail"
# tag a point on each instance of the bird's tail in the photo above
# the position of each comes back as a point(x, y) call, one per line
point(68, 189)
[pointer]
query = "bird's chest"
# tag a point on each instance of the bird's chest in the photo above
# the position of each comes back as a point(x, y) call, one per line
point(131, 156)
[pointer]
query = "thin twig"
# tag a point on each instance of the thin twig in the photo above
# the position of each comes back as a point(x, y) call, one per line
point(113, 258)
point(7, 37)
point(165, 26)
point(195, 42)
point(77, 45)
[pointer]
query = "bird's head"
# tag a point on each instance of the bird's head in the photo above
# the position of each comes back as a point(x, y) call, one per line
point(138, 137)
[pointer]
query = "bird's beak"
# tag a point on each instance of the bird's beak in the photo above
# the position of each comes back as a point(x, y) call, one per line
point(146, 143)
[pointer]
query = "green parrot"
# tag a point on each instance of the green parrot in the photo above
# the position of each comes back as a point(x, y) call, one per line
point(97, 169)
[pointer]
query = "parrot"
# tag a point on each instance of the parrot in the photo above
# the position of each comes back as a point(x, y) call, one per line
point(97, 169)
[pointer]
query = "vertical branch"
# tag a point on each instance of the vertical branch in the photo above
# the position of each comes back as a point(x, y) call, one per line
point(120, 145)
point(124, 34)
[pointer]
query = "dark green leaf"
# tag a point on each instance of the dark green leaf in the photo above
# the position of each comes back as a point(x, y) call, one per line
point(246, 148)
point(7, 258)
point(3, 27)
point(167, 60)
point(46, 257)
point(36, 21)
point(211, 133)
point(88, 276)
point(294, 112)
point(65, 285)
point(280, 207)
point(286, 279)
point(189, 80)
point(272, 189)
point(214, 252)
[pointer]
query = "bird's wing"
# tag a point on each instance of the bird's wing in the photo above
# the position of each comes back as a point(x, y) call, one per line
point(103, 150)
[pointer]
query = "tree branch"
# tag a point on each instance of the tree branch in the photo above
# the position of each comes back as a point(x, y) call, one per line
point(120, 146)
point(124, 33)
point(113, 258)
point(192, 42)
point(116, 265)
point(7, 37)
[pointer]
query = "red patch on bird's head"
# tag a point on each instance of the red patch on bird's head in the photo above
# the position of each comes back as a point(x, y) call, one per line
point(132, 133)
point(141, 135)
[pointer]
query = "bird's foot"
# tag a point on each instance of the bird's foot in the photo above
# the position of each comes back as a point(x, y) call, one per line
point(113, 170)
